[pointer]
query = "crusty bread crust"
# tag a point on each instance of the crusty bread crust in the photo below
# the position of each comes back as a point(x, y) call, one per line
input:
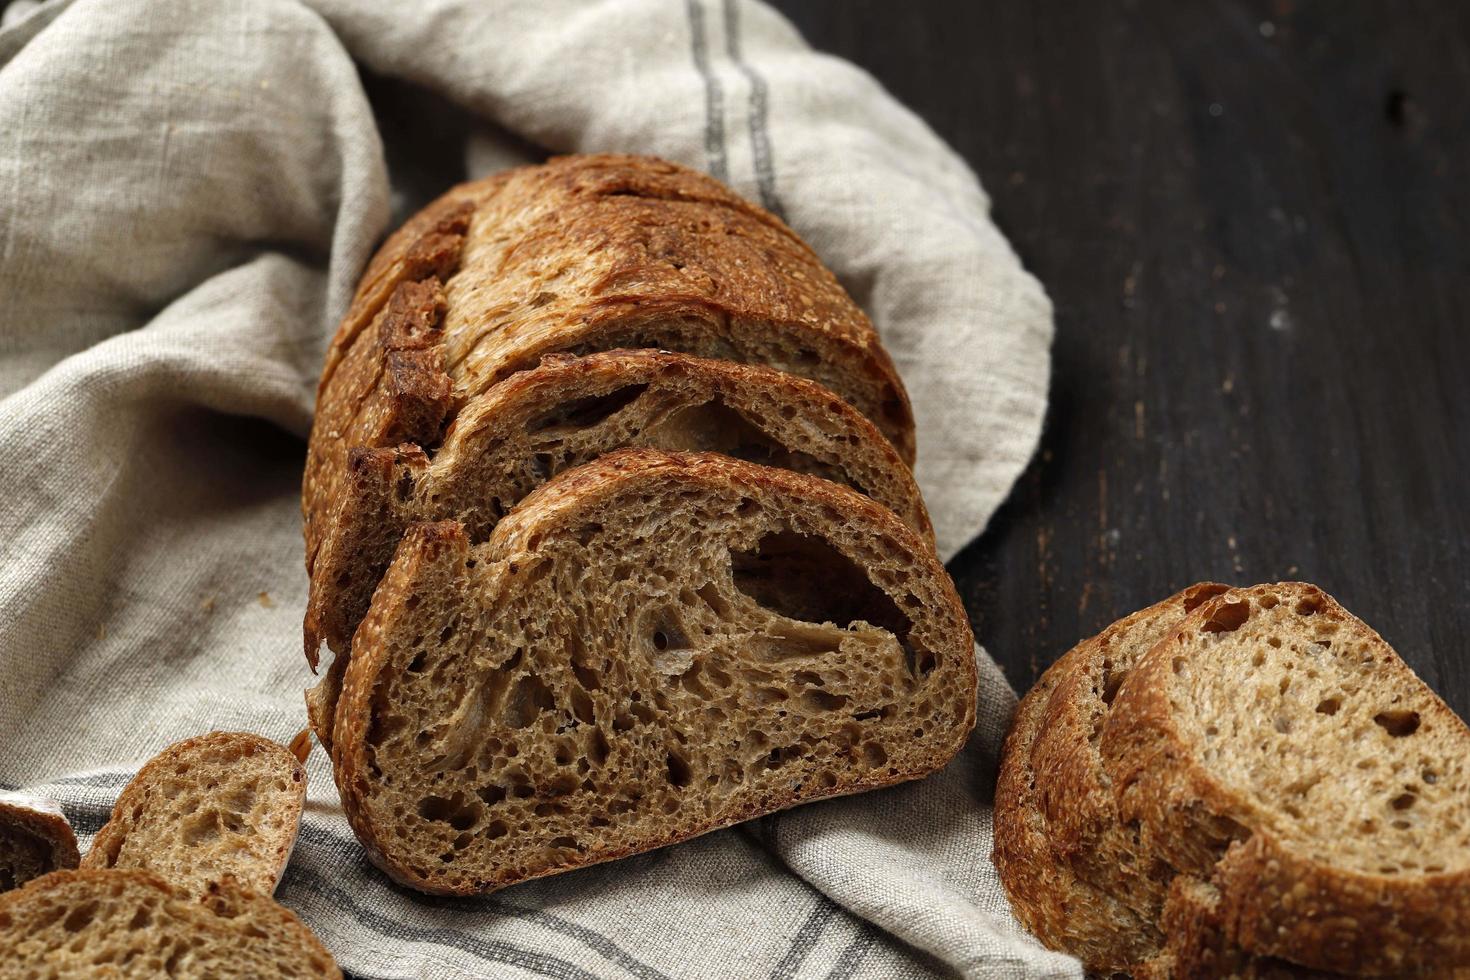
point(529, 427)
point(244, 832)
point(1275, 898)
point(1073, 789)
point(133, 923)
point(1065, 911)
point(37, 834)
point(431, 555)
point(580, 254)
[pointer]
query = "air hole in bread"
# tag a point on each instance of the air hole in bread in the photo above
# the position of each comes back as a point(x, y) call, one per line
point(1227, 617)
point(1403, 801)
point(1309, 606)
point(1328, 706)
point(1199, 594)
point(583, 413)
point(805, 578)
point(1397, 722)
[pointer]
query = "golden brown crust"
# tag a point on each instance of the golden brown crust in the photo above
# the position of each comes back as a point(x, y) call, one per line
point(1064, 911)
point(429, 548)
point(579, 254)
point(1073, 789)
point(1275, 900)
point(481, 469)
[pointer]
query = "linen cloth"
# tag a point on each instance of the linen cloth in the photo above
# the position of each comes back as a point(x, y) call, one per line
point(188, 193)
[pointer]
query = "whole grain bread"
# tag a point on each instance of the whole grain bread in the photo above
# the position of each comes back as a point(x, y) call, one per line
point(652, 646)
point(1073, 789)
point(568, 411)
point(35, 839)
point(132, 923)
point(579, 255)
point(1065, 911)
point(225, 804)
point(1277, 748)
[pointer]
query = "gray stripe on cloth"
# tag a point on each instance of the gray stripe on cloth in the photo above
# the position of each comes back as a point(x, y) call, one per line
point(760, 138)
point(806, 938)
point(714, 95)
point(852, 957)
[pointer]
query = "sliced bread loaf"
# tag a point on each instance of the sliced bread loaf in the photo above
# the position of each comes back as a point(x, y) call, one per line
point(581, 254)
point(569, 411)
point(1276, 747)
point(35, 839)
point(1062, 909)
point(222, 804)
point(650, 647)
point(1072, 784)
point(132, 923)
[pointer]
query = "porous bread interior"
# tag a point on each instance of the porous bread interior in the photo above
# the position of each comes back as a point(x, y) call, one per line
point(212, 808)
point(132, 924)
point(24, 854)
point(1297, 704)
point(798, 428)
point(570, 411)
point(673, 662)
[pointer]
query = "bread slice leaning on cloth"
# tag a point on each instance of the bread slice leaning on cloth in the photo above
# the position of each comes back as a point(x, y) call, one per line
point(35, 839)
point(132, 923)
point(568, 411)
point(652, 646)
point(1065, 911)
point(581, 254)
point(1277, 748)
point(217, 805)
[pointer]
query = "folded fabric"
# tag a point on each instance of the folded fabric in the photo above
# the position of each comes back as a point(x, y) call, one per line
point(188, 193)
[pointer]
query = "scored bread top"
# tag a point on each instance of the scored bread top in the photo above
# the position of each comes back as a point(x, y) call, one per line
point(1061, 908)
point(217, 805)
point(35, 838)
point(568, 411)
point(651, 646)
point(1277, 746)
point(1073, 788)
point(578, 255)
point(133, 923)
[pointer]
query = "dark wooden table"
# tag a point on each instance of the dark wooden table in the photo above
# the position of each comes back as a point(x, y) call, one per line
point(1252, 219)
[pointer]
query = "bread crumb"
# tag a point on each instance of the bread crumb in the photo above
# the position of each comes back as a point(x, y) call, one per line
point(206, 605)
point(266, 602)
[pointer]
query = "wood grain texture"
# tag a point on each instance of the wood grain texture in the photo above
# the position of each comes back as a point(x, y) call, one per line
point(1252, 218)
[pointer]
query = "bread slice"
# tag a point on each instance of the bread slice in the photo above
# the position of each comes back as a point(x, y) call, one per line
point(1066, 912)
point(1072, 786)
point(569, 411)
point(650, 647)
point(1277, 748)
point(35, 839)
point(132, 923)
point(217, 805)
point(582, 254)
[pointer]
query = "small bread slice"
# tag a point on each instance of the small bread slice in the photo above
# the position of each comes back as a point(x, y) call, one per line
point(217, 805)
point(35, 839)
point(1072, 784)
point(1276, 747)
point(569, 411)
point(652, 646)
point(1066, 912)
point(132, 923)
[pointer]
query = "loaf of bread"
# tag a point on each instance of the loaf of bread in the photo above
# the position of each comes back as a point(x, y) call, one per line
point(582, 254)
point(568, 411)
point(35, 839)
point(1239, 783)
point(132, 923)
point(225, 804)
point(649, 647)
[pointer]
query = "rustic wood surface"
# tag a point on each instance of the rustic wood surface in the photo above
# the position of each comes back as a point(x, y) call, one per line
point(1252, 219)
